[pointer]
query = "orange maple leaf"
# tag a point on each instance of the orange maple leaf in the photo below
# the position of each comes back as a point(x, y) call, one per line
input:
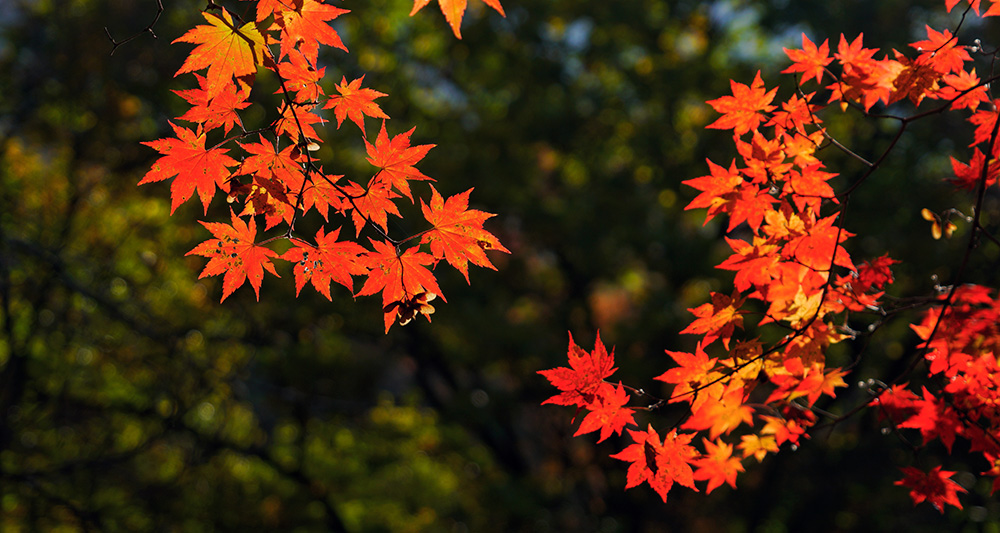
point(266, 161)
point(234, 252)
point(694, 374)
point(717, 189)
point(330, 260)
point(305, 26)
point(661, 465)
point(811, 60)
point(322, 193)
point(743, 111)
point(401, 277)
point(608, 414)
point(783, 429)
point(717, 319)
point(722, 414)
point(454, 10)
point(301, 78)
point(266, 8)
point(396, 159)
point(942, 52)
point(817, 246)
point(195, 168)
point(220, 110)
point(373, 204)
point(226, 51)
point(754, 263)
point(354, 103)
point(964, 88)
point(717, 466)
point(809, 187)
point(757, 446)
point(297, 118)
point(458, 235)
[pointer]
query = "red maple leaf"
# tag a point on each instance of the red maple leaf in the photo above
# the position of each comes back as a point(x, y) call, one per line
point(875, 273)
point(743, 111)
point(234, 253)
point(306, 27)
point(608, 414)
point(354, 103)
point(195, 168)
point(330, 260)
point(934, 487)
point(226, 51)
point(935, 419)
point(396, 159)
point(950, 4)
point(401, 277)
point(811, 60)
point(863, 78)
point(458, 235)
point(454, 10)
point(969, 176)
point(581, 381)
point(661, 465)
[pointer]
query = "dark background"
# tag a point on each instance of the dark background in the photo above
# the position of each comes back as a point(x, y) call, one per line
point(131, 400)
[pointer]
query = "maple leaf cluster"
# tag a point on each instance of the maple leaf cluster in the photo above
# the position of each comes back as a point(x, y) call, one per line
point(270, 173)
point(793, 273)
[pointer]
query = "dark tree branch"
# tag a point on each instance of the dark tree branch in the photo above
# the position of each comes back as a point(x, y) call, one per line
point(148, 29)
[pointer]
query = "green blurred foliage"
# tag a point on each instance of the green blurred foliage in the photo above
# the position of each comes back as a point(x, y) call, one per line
point(131, 400)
